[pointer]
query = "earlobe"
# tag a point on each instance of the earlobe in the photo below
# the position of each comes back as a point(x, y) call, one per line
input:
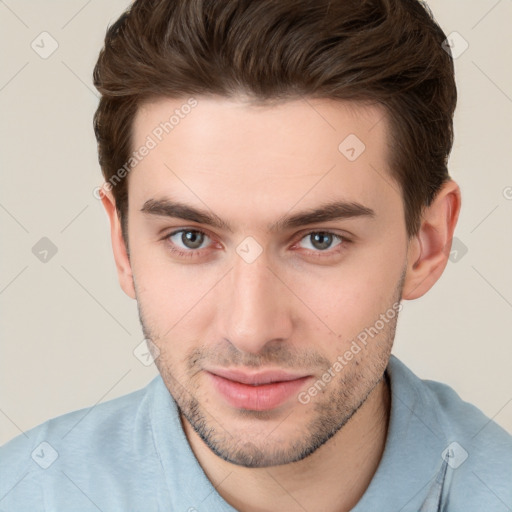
point(122, 260)
point(429, 250)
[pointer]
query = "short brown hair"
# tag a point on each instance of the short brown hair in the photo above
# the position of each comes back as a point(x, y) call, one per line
point(384, 51)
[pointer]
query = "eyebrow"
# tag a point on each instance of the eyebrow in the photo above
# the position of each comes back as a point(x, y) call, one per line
point(335, 210)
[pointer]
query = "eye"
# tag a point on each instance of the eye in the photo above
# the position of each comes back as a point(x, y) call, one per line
point(190, 243)
point(188, 239)
point(321, 240)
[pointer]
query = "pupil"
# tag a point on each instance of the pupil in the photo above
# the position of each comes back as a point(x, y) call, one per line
point(322, 240)
point(192, 239)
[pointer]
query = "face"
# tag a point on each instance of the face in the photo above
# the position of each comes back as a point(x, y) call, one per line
point(265, 249)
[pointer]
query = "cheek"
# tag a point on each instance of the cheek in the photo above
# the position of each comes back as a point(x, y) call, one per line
point(351, 297)
point(177, 298)
point(172, 297)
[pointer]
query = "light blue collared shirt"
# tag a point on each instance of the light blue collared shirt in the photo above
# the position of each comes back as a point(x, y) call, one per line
point(131, 454)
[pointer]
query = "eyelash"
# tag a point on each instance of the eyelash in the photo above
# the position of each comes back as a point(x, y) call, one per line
point(192, 253)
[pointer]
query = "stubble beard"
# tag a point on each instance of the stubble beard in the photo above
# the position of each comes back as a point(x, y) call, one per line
point(332, 408)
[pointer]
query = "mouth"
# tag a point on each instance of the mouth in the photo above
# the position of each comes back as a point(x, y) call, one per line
point(256, 391)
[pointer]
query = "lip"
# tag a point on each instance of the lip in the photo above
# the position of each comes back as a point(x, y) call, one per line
point(256, 391)
point(256, 378)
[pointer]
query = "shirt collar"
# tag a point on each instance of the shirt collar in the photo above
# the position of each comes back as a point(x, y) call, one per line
point(407, 472)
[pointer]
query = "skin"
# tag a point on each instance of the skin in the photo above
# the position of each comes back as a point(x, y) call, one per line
point(298, 306)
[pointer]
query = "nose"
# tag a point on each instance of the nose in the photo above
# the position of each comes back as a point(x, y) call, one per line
point(257, 306)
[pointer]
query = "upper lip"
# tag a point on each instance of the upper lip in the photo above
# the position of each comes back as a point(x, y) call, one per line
point(255, 379)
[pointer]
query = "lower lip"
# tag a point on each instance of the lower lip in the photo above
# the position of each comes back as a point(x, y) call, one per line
point(256, 398)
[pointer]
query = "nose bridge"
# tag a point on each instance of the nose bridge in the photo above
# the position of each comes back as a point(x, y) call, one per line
point(256, 312)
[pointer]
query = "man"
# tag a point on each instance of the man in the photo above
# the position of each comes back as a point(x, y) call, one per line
point(276, 183)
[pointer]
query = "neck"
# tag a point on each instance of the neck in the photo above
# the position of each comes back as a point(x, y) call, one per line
point(332, 479)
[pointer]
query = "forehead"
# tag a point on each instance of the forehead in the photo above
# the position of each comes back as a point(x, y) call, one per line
point(211, 121)
point(263, 158)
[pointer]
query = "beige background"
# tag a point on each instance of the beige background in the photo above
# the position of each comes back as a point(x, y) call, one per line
point(67, 330)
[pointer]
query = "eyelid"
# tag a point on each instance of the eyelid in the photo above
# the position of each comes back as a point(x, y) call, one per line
point(344, 240)
point(330, 231)
point(186, 229)
point(298, 236)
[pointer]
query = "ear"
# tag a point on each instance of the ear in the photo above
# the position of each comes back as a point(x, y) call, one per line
point(429, 250)
point(124, 269)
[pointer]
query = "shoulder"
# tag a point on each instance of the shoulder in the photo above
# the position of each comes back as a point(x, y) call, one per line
point(457, 418)
point(99, 438)
point(477, 449)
